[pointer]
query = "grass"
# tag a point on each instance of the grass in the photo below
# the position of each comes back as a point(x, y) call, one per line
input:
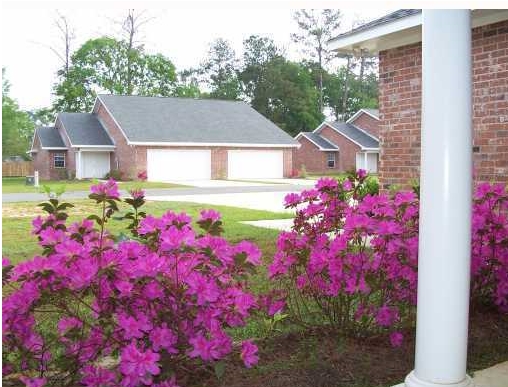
point(17, 185)
point(19, 245)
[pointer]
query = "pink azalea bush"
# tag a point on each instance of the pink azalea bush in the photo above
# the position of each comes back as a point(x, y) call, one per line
point(153, 309)
point(351, 257)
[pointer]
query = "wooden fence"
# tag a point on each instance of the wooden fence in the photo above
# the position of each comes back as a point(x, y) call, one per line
point(17, 168)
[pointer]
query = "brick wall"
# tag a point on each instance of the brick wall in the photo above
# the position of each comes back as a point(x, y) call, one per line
point(44, 163)
point(312, 158)
point(70, 157)
point(347, 149)
point(367, 123)
point(400, 108)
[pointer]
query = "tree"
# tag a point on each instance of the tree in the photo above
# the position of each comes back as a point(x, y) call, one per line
point(17, 128)
point(108, 65)
point(257, 52)
point(67, 35)
point(188, 84)
point(219, 68)
point(316, 28)
point(345, 93)
point(287, 96)
point(42, 117)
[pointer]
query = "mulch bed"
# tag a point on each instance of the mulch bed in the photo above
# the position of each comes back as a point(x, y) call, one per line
point(319, 358)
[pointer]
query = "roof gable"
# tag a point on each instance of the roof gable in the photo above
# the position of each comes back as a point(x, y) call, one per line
point(84, 129)
point(49, 137)
point(319, 141)
point(352, 133)
point(152, 120)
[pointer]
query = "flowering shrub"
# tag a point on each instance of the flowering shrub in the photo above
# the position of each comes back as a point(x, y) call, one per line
point(150, 310)
point(142, 176)
point(351, 257)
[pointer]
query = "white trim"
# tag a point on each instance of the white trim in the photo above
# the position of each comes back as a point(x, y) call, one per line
point(401, 32)
point(321, 149)
point(54, 148)
point(94, 146)
point(98, 98)
point(349, 138)
point(359, 113)
point(210, 144)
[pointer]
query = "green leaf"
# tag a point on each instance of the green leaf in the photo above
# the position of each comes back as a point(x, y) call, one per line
point(219, 368)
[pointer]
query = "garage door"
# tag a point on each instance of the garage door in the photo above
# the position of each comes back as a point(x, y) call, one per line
point(165, 164)
point(255, 164)
point(94, 164)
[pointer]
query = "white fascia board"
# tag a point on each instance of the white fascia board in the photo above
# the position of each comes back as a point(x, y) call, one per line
point(93, 146)
point(402, 32)
point(359, 113)
point(216, 144)
point(357, 40)
point(371, 150)
point(54, 148)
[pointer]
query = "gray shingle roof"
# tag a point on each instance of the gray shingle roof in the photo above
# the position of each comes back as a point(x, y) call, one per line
point(355, 134)
point(323, 143)
point(84, 129)
point(49, 137)
point(399, 14)
point(157, 119)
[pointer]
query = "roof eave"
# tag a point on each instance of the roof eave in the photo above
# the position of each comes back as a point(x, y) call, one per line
point(401, 32)
point(212, 144)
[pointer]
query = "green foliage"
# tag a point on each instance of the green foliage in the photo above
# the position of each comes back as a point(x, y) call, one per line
point(287, 96)
point(108, 64)
point(17, 127)
point(303, 172)
point(220, 69)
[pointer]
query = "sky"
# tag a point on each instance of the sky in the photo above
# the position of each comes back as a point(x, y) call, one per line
point(180, 32)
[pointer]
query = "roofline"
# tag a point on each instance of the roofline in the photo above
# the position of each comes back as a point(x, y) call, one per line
point(342, 134)
point(364, 131)
point(33, 140)
point(63, 127)
point(94, 146)
point(321, 149)
point(54, 147)
point(358, 113)
point(98, 98)
point(400, 32)
point(208, 144)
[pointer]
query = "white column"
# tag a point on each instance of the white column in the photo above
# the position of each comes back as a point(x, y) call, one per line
point(445, 207)
point(365, 165)
point(78, 165)
point(36, 178)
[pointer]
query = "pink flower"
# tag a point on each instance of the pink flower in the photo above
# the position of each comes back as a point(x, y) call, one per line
point(250, 250)
point(67, 323)
point(6, 262)
point(137, 193)
point(142, 175)
point(138, 366)
point(347, 185)
point(133, 327)
point(291, 199)
point(386, 316)
point(33, 382)
point(98, 377)
point(249, 353)
point(109, 189)
point(163, 337)
point(209, 215)
point(202, 348)
point(396, 339)
point(204, 289)
point(361, 173)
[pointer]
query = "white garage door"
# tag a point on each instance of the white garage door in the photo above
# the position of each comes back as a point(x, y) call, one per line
point(166, 164)
point(255, 164)
point(94, 164)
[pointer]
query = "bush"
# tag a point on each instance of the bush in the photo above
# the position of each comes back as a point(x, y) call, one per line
point(351, 259)
point(149, 309)
point(303, 172)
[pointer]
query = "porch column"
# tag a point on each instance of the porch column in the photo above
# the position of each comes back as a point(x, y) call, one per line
point(445, 207)
point(78, 164)
point(365, 165)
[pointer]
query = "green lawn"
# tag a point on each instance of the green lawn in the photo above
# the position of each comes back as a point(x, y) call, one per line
point(17, 185)
point(19, 245)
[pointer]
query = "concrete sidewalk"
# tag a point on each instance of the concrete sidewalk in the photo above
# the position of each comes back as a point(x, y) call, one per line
point(160, 192)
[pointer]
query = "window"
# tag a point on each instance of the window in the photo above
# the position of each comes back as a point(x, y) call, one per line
point(331, 159)
point(59, 160)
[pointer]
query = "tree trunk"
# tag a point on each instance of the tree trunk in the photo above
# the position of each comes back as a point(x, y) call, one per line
point(346, 88)
point(320, 55)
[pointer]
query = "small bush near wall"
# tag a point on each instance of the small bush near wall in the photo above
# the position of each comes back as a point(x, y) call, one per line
point(351, 258)
point(151, 308)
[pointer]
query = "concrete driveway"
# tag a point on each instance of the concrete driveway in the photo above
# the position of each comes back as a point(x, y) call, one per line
point(243, 183)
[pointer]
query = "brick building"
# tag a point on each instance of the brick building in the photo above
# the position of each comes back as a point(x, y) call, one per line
point(340, 146)
point(396, 39)
point(169, 138)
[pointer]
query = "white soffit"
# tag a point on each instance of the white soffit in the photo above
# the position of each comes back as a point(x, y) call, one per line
point(401, 32)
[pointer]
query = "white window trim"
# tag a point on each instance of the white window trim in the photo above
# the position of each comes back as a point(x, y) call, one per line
point(328, 159)
point(64, 160)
